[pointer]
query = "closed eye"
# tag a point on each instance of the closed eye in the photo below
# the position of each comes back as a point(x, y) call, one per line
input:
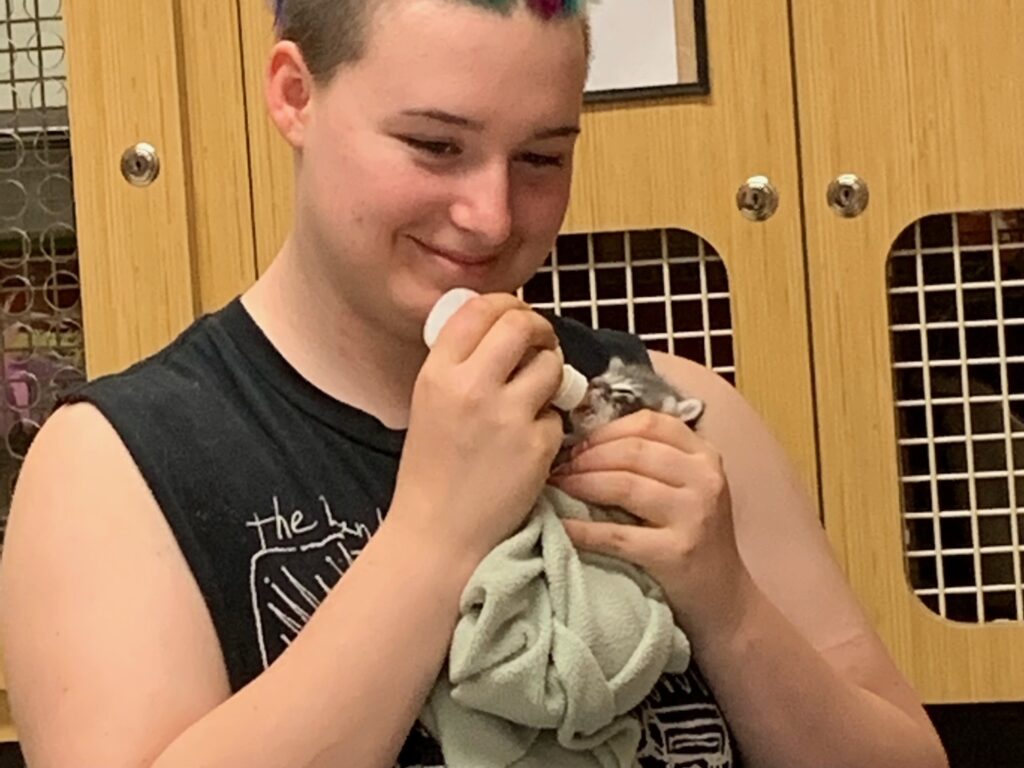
point(543, 161)
point(439, 149)
point(446, 150)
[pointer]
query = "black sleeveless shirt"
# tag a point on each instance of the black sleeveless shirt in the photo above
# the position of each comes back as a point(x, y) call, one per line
point(272, 488)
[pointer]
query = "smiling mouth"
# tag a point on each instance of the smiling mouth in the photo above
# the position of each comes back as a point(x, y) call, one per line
point(461, 259)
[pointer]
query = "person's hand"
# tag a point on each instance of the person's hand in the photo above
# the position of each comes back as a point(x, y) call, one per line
point(658, 469)
point(481, 435)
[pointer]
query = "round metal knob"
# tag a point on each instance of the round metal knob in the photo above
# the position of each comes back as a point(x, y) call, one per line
point(757, 199)
point(140, 165)
point(848, 195)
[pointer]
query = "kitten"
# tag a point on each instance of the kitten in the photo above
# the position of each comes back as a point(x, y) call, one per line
point(623, 389)
point(626, 388)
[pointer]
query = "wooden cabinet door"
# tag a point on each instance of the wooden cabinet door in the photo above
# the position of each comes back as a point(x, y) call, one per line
point(916, 309)
point(653, 241)
point(134, 241)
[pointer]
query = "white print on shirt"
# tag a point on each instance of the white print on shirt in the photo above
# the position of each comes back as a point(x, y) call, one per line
point(301, 557)
point(682, 727)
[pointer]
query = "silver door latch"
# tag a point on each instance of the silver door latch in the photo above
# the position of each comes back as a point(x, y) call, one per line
point(140, 165)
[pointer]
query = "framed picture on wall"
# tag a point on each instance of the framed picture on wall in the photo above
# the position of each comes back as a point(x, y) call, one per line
point(647, 49)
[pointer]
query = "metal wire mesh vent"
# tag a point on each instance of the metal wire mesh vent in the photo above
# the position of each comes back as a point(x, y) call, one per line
point(669, 286)
point(956, 303)
point(40, 307)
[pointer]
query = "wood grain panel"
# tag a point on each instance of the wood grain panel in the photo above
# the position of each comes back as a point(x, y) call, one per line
point(134, 243)
point(924, 100)
point(218, 158)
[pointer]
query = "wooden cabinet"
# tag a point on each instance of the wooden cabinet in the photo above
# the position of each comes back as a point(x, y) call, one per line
point(921, 99)
point(925, 101)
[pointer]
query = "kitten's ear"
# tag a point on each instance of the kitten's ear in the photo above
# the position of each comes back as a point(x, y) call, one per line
point(616, 365)
point(689, 409)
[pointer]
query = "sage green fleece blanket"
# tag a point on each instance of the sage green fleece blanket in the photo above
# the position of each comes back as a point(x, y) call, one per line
point(553, 650)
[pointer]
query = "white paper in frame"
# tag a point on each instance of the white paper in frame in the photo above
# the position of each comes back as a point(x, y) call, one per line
point(647, 49)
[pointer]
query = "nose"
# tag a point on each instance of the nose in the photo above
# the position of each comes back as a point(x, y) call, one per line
point(484, 205)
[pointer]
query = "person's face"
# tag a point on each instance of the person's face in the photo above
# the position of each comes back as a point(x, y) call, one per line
point(444, 157)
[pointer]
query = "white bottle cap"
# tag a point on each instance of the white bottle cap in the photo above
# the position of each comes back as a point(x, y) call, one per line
point(446, 306)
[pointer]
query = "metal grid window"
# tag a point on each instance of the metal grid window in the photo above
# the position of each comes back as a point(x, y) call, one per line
point(956, 304)
point(670, 287)
point(40, 307)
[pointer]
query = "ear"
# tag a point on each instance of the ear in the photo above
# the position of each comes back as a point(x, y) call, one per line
point(689, 410)
point(616, 365)
point(289, 92)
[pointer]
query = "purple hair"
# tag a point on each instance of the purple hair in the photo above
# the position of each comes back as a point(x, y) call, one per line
point(549, 8)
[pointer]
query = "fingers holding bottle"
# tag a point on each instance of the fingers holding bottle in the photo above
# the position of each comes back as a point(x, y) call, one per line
point(481, 439)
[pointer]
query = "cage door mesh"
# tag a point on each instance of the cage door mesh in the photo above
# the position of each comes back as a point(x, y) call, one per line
point(956, 305)
point(668, 286)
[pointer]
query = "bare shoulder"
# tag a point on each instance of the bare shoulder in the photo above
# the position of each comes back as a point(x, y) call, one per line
point(781, 537)
point(102, 621)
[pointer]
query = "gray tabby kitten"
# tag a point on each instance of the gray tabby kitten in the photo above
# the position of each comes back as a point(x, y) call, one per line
point(623, 389)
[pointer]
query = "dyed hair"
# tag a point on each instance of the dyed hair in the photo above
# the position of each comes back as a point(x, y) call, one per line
point(332, 33)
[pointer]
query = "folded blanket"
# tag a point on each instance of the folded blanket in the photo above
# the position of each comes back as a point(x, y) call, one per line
point(553, 650)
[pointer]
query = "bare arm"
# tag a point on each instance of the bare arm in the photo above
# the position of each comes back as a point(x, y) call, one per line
point(112, 658)
point(802, 676)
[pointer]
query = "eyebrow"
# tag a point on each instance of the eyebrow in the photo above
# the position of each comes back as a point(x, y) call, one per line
point(464, 122)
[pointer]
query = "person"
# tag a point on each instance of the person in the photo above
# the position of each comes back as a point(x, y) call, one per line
point(255, 547)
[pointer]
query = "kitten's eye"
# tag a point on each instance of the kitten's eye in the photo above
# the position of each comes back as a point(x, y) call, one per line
point(624, 397)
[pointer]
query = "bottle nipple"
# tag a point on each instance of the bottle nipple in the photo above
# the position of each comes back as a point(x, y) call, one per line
point(572, 390)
